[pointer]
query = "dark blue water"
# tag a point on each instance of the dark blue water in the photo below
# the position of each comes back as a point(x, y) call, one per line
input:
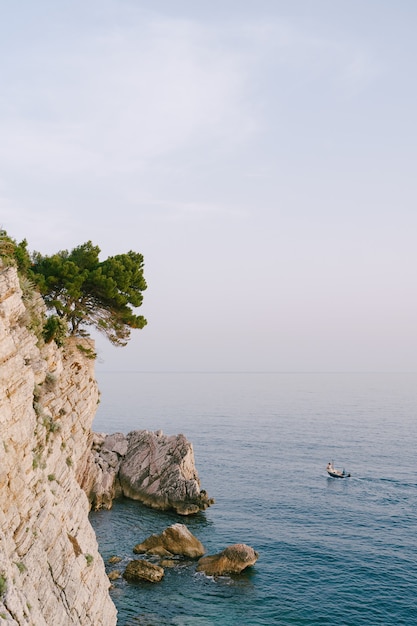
point(337, 552)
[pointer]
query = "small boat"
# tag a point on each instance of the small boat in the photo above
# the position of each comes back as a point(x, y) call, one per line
point(335, 473)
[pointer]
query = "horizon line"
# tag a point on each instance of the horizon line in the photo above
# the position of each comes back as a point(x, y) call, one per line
point(134, 371)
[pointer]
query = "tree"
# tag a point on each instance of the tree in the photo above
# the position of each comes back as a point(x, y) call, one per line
point(86, 292)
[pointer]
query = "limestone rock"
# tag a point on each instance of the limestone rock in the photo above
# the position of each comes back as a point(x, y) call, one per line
point(116, 444)
point(174, 540)
point(49, 559)
point(100, 479)
point(114, 559)
point(143, 570)
point(231, 560)
point(159, 470)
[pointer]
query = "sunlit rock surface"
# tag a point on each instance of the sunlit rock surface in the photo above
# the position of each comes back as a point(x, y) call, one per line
point(51, 572)
point(174, 540)
point(232, 560)
point(143, 570)
point(157, 469)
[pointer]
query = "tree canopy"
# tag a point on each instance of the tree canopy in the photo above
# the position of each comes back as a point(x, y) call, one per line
point(84, 291)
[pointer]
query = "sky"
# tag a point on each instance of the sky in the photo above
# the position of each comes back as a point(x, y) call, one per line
point(260, 154)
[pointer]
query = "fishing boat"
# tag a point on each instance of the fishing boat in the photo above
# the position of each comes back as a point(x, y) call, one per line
point(336, 473)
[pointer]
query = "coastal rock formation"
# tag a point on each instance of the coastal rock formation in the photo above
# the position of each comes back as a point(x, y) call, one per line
point(157, 469)
point(174, 540)
point(50, 569)
point(100, 479)
point(232, 560)
point(143, 570)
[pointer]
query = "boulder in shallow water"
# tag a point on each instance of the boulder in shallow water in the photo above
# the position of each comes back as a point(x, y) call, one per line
point(139, 569)
point(174, 540)
point(231, 560)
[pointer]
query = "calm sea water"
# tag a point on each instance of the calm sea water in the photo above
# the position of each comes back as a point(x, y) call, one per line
point(336, 552)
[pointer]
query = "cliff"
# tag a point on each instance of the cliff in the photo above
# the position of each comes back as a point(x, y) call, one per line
point(51, 572)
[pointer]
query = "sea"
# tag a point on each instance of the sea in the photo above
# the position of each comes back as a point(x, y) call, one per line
point(339, 552)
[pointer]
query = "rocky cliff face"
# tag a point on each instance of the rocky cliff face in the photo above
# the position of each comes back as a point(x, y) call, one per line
point(51, 572)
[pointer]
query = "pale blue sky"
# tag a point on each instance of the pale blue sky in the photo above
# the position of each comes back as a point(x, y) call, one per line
point(260, 154)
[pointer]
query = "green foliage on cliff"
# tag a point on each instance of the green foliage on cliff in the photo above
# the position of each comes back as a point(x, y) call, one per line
point(13, 253)
point(80, 290)
point(3, 585)
point(85, 291)
point(55, 329)
point(16, 255)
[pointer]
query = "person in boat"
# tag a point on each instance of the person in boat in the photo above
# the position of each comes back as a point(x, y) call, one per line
point(329, 467)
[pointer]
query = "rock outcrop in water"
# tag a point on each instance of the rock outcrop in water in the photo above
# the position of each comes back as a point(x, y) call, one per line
point(100, 479)
point(51, 572)
point(156, 469)
point(139, 569)
point(176, 540)
point(232, 560)
point(50, 569)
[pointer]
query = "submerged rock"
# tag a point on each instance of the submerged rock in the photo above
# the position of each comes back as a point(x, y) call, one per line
point(143, 570)
point(231, 560)
point(114, 559)
point(174, 540)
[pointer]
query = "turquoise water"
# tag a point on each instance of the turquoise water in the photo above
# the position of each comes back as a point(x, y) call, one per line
point(337, 552)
